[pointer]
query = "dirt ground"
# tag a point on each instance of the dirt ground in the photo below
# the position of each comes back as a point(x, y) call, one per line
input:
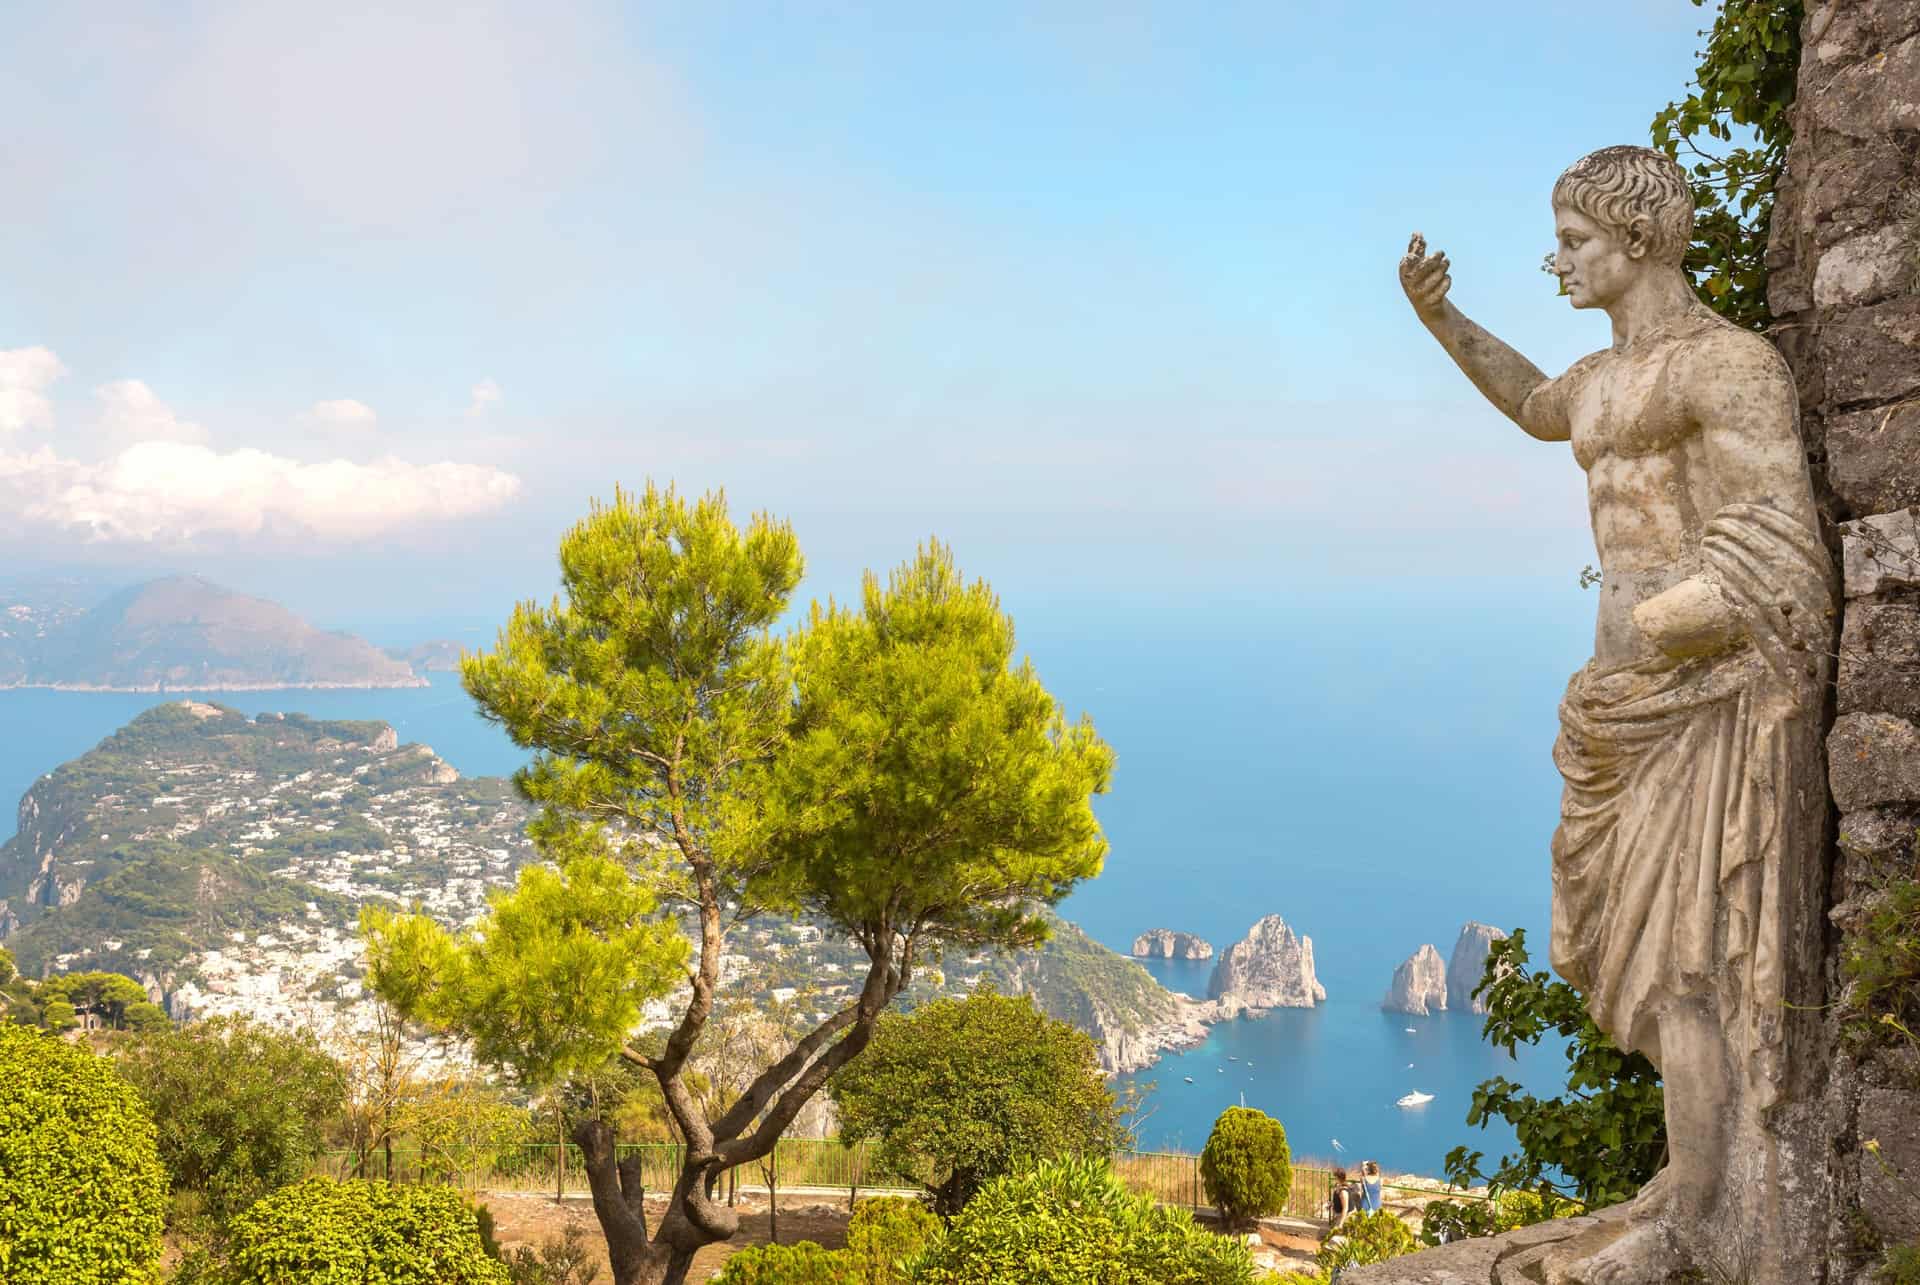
point(524, 1219)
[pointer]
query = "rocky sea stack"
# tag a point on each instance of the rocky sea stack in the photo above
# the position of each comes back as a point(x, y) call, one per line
point(1270, 968)
point(1467, 963)
point(1165, 943)
point(1419, 985)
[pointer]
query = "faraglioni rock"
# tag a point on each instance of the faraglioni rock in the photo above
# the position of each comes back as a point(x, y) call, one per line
point(1270, 968)
point(1468, 963)
point(1419, 984)
point(1165, 943)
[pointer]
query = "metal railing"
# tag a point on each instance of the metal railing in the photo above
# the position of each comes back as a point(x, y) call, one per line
point(1171, 1177)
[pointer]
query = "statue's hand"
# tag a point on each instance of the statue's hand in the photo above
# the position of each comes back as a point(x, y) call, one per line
point(1691, 618)
point(1424, 277)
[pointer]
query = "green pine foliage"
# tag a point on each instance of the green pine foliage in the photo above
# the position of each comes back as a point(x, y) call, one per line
point(322, 1232)
point(82, 1193)
point(1067, 1222)
point(961, 1091)
point(241, 1109)
point(1246, 1166)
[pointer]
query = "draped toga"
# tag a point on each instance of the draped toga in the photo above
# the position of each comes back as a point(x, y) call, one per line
point(1679, 848)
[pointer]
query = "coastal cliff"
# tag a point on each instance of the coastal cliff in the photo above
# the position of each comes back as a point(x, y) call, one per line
point(1165, 943)
point(1419, 984)
point(1467, 963)
point(1270, 967)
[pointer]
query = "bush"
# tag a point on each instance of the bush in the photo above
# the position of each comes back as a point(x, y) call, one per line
point(1070, 1221)
point(1246, 1166)
point(241, 1108)
point(1443, 1221)
point(886, 1233)
point(1366, 1238)
point(566, 1259)
point(802, 1264)
point(82, 1193)
point(322, 1232)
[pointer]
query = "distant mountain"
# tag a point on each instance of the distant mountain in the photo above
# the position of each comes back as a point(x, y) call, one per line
point(436, 657)
point(185, 633)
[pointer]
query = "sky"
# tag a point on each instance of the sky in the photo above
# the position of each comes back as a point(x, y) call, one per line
point(358, 307)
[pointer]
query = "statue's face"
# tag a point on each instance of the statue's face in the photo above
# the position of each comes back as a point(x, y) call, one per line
point(1595, 262)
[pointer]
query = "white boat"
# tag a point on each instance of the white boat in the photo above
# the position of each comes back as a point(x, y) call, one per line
point(1411, 1031)
point(1415, 1099)
point(1189, 1079)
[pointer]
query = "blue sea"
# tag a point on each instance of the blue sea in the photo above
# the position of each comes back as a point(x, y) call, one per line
point(1369, 761)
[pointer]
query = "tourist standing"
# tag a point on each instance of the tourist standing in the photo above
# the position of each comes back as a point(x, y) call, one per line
point(1370, 1186)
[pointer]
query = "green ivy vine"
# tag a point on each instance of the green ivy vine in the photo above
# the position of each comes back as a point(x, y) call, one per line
point(1745, 82)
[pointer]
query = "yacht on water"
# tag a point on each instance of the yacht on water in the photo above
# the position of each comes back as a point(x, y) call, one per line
point(1415, 1099)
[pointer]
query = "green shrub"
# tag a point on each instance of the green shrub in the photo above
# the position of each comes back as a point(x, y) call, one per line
point(1068, 1222)
point(566, 1259)
point(1366, 1238)
point(802, 1264)
point(1443, 1221)
point(1246, 1166)
point(885, 1234)
point(322, 1232)
point(82, 1194)
point(1901, 1266)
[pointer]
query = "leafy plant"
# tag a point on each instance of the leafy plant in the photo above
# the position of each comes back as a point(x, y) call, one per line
point(885, 1234)
point(1246, 1166)
point(1882, 963)
point(241, 1109)
point(804, 1263)
point(1745, 81)
point(82, 1193)
point(565, 1259)
point(1600, 1142)
point(322, 1232)
point(1066, 1222)
point(1370, 1237)
point(961, 1091)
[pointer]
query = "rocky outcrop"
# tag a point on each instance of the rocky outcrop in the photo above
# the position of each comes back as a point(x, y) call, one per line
point(1270, 968)
point(1419, 984)
point(1165, 943)
point(1468, 964)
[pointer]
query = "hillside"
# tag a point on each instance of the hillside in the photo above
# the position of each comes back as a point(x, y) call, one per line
point(223, 860)
point(194, 822)
point(183, 633)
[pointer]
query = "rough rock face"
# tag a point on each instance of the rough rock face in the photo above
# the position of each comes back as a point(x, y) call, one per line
point(1468, 964)
point(1269, 968)
point(1165, 943)
point(1842, 257)
point(1419, 984)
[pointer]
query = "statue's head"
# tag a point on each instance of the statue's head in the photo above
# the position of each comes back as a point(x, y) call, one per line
point(1619, 212)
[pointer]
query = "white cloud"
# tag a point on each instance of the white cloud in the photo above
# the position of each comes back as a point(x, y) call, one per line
point(129, 410)
point(176, 492)
point(486, 395)
point(344, 413)
point(25, 374)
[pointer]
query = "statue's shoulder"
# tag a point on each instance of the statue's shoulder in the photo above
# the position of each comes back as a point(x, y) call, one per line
point(1714, 348)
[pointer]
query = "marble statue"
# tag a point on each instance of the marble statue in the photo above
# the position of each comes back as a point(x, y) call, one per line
point(1686, 866)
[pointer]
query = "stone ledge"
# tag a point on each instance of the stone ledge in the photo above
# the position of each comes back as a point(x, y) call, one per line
point(1881, 552)
point(1516, 1258)
point(1873, 759)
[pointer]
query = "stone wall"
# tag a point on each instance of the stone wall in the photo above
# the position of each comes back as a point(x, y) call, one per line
point(1844, 255)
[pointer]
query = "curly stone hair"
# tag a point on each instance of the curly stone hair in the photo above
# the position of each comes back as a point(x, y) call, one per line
point(1617, 185)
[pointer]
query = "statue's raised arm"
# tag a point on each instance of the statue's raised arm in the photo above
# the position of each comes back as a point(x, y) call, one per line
point(1502, 375)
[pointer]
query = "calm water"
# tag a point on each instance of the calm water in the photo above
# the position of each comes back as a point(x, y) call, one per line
point(1371, 764)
